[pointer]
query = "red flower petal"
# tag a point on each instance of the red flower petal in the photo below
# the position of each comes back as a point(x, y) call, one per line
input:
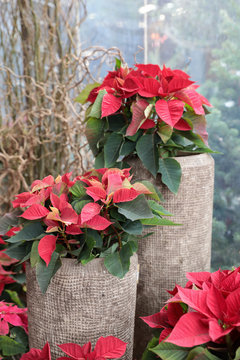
point(124, 195)
point(182, 125)
point(98, 223)
point(148, 124)
point(110, 347)
point(37, 354)
point(178, 83)
point(34, 212)
point(169, 111)
point(96, 193)
point(89, 211)
point(192, 98)
point(150, 88)
point(158, 320)
point(73, 230)
point(73, 350)
point(46, 247)
point(149, 69)
point(190, 331)
point(110, 104)
point(69, 216)
point(138, 117)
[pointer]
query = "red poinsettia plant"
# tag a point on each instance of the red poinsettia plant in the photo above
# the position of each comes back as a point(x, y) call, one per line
point(201, 320)
point(13, 329)
point(98, 214)
point(108, 347)
point(148, 112)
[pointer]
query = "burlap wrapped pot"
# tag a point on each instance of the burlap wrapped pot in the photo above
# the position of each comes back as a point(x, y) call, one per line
point(81, 304)
point(170, 252)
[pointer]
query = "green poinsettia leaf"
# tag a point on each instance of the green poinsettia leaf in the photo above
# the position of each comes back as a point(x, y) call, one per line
point(156, 220)
point(171, 172)
point(111, 149)
point(149, 355)
point(82, 97)
point(118, 64)
point(168, 351)
point(45, 273)
point(34, 256)
point(96, 109)
point(19, 250)
point(147, 152)
point(237, 355)
point(19, 335)
point(127, 148)
point(157, 208)
point(31, 231)
point(79, 204)
point(133, 227)
point(78, 189)
point(118, 263)
point(155, 193)
point(10, 347)
point(136, 209)
point(99, 161)
point(94, 132)
point(165, 132)
point(14, 297)
point(201, 353)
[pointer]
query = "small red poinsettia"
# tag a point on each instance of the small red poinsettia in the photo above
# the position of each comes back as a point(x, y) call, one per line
point(37, 354)
point(108, 347)
point(205, 311)
point(10, 314)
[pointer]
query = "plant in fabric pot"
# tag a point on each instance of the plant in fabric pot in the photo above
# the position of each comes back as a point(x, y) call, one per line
point(199, 321)
point(95, 220)
point(154, 120)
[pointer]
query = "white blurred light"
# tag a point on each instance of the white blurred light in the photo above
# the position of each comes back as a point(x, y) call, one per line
point(162, 17)
point(147, 8)
point(170, 5)
point(229, 103)
point(92, 16)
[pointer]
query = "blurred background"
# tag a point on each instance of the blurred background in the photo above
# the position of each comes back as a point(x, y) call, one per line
point(51, 48)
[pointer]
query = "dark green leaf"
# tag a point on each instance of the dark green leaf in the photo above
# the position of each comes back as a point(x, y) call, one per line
point(34, 257)
point(19, 250)
point(99, 161)
point(30, 232)
point(136, 209)
point(82, 97)
point(94, 132)
point(19, 278)
point(116, 216)
point(109, 250)
point(96, 109)
point(20, 336)
point(168, 351)
point(149, 355)
point(94, 234)
point(45, 273)
point(8, 220)
point(165, 132)
point(157, 208)
point(78, 189)
point(147, 152)
point(79, 204)
point(10, 347)
point(201, 353)
point(118, 263)
point(171, 173)
point(127, 148)
point(111, 149)
point(116, 122)
point(133, 227)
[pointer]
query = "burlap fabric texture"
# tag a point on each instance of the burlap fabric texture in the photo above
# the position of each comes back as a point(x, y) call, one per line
point(81, 304)
point(170, 252)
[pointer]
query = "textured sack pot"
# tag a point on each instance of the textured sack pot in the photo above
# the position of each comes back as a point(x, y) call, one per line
point(170, 252)
point(81, 304)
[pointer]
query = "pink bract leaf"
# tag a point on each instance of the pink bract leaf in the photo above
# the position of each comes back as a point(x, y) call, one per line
point(190, 331)
point(195, 299)
point(110, 104)
point(182, 125)
point(216, 331)
point(148, 124)
point(73, 230)
point(169, 111)
point(124, 195)
point(36, 354)
point(178, 83)
point(149, 69)
point(69, 216)
point(158, 320)
point(216, 302)
point(233, 305)
point(110, 347)
point(96, 193)
point(4, 328)
point(89, 211)
point(164, 334)
point(98, 223)
point(35, 212)
point(21, 199)
point(138, 117)
point(198, 278)
point(174, 312)
point(150, 88)
point(46, 247)
point(114, 181)
point(192, 98)
point(73, 350)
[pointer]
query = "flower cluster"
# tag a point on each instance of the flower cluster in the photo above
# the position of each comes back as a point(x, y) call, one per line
point(84, 217)
point(109, 347)
point(11, 315)
point(206, 312)
point(172, 90)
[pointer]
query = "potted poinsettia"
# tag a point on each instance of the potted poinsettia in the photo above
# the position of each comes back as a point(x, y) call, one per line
point(94, 220)
point(108, 347)
point(199, 321)
point(154, 119)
